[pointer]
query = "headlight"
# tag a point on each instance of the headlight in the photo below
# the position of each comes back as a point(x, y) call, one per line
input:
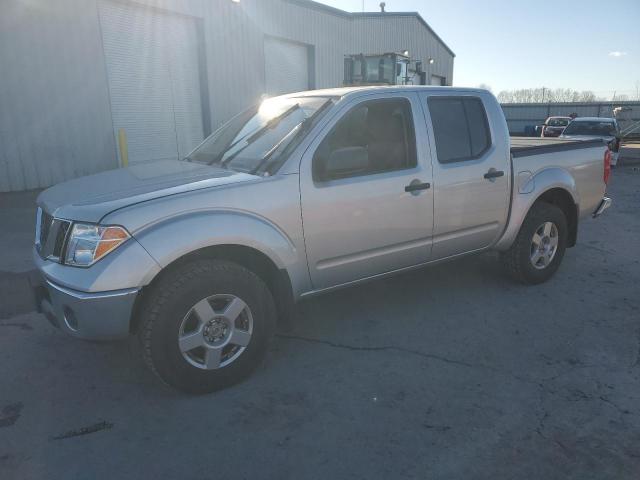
point(89, 243)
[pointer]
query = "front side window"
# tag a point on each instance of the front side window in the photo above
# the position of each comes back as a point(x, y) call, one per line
point(374, 137)
point(460, 128)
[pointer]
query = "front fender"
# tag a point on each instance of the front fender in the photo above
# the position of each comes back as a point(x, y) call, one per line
point(174, 237)
point(526, 190)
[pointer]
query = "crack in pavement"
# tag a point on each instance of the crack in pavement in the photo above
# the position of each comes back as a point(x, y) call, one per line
point(621, 411)
point(428, 356)
point(96, 427)
point(540, 383)
point(541, 426)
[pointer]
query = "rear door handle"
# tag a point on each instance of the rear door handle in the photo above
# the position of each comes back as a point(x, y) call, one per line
point(493, 173)
point(416, 185)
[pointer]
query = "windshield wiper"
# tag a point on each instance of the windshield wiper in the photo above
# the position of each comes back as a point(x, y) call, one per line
point(302, 127)
point(273, 150)
point(272, 123)
point(307, 122)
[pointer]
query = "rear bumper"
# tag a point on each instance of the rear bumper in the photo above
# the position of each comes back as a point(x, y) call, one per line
point(91, 316)
point(602, 206)
point(551, 134)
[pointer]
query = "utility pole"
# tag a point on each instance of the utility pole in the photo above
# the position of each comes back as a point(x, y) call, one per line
point(543, 92)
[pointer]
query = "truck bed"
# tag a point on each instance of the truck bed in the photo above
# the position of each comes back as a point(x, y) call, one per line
point(526, 146)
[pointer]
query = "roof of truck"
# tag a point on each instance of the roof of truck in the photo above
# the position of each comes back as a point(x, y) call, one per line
point(594, 119)
point(344, 91)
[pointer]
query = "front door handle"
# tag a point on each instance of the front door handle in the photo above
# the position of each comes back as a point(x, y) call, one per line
point(416, 185)
point(493, 173)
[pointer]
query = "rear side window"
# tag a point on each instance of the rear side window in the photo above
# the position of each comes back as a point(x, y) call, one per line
point(460, 127)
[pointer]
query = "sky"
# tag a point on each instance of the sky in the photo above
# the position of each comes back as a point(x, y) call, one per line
point(512, 44)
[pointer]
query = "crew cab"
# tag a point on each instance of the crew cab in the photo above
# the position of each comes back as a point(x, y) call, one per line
point(296, 196)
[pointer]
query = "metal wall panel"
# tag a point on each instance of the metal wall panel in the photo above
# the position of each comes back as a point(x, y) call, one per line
point(154, 81)
point(397, 33)
point(55, 120)
point(240, 28)
point(521, 115)
point(286, 66)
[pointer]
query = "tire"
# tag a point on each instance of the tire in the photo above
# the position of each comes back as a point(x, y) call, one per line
point(519, 259)
point(206, 325)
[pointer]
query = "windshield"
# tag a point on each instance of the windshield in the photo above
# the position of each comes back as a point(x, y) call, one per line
point(558, 122)
point(377, 69)
point(260, 133)
point(595, 128)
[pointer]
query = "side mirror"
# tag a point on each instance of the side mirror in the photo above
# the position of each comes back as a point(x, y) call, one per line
point(342, 163)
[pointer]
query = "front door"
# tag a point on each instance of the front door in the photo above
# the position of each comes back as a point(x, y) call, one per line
point(367, 202)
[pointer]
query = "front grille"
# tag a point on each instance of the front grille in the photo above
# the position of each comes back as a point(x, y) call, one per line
point(45, 227)
point(51, 235)
point(61, 236)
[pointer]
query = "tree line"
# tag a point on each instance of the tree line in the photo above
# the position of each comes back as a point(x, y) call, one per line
point(545, 95)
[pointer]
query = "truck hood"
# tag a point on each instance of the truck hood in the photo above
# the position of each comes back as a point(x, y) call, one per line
point(91, 198)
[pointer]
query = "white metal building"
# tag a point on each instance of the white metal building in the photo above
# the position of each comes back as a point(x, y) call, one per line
point(76, 72)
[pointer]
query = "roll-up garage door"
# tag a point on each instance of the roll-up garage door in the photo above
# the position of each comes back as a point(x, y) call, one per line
point(438, 80)
point(286, 66)
point(154, 80)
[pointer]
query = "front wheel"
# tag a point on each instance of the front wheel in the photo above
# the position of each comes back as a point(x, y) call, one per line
point(206, 325)
point(539, 247)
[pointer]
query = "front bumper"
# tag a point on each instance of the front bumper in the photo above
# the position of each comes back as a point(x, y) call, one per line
point(91, 316)
point(602, 206)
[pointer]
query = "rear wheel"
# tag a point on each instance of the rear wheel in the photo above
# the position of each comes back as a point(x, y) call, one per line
point(539, 247)
point(206, 325)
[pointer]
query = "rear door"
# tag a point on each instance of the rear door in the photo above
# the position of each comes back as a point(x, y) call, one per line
point(367, 205)
point(471, 173)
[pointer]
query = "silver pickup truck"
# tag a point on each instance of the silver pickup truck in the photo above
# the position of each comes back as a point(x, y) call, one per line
point(296, 196)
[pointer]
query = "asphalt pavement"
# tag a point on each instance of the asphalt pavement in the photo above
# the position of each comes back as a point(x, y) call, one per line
point(448, 372)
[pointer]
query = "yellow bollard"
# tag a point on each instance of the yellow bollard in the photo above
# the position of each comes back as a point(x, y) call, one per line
point(124, 150)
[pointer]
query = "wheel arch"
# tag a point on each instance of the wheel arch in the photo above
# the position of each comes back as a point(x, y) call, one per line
point(241, 237)
point(277, 279)
point(553, 185)
point(562, 199)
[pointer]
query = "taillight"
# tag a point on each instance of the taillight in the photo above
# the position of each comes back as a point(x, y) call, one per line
point(607, 165)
